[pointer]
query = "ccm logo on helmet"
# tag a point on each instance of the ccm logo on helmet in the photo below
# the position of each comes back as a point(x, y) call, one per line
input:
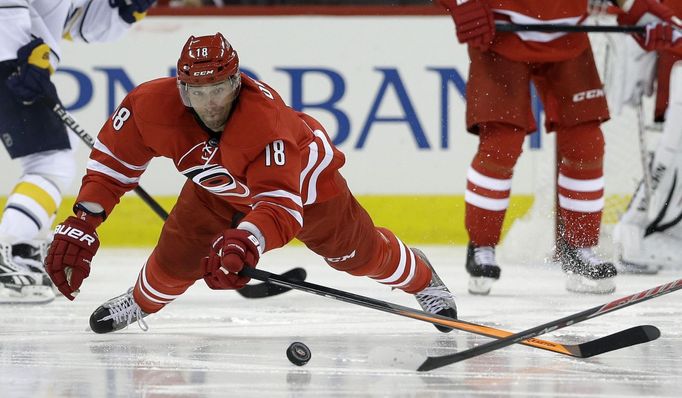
point(203, 73)
point(75, 233)
point(589, 94)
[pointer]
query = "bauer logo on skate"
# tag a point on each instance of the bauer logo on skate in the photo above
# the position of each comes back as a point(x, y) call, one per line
point(75, 233)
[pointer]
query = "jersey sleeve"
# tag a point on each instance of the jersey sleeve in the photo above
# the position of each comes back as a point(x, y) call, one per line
point(118, 159)
point(95, 21)
point(273, 178)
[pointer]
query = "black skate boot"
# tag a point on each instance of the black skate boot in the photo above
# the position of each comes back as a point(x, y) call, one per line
point(482, 268)
point(585, 271)
point(436, 298)
point(23, 280)
point(117, 313)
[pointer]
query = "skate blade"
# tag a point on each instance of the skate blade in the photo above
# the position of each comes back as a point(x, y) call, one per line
point(580, 284)
point(26, 295)
point(480, 285)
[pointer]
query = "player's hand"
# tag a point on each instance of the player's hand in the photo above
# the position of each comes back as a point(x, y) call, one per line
point(230, 253)
point(132, 11)
point(68, 259)
point(474, 22)
point(659, 20)
point(32, 78)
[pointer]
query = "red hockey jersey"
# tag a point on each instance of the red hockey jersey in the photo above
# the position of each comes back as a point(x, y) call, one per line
point(268, 163)
point(539, 46)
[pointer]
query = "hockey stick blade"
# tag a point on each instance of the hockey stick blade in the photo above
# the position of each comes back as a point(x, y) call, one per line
point(440, 361)
point(267, 289)
point(612, 342)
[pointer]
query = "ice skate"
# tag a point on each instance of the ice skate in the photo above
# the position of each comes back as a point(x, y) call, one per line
point(117, 313)
point(585, 271)
point(482, 268)
point(436, 298)
point(23, 279)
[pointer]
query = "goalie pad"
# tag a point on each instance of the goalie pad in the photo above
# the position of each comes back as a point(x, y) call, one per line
point(650, 232)
point(631, 73)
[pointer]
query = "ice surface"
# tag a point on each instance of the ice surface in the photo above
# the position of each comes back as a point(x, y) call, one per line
point(218, 344)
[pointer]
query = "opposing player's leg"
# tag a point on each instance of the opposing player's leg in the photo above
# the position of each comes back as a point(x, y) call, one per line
point(35, 137)
point(26, 223)
point(173, 266)
point(646, 237)
point(581, 201)
point(489, 181)
point(342, 232)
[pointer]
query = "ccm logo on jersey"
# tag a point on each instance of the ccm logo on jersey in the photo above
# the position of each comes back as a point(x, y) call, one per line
point(203, 73)
point(589, 94)
point(75, 233)
point(339, 259)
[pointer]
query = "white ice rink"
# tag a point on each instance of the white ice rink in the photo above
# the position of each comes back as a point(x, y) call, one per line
point(218, 344)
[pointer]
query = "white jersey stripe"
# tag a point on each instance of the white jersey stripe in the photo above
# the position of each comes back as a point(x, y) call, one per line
point(493, 184)
point(295, 214)
point(280, 193)
point(399, 271)
point(99, 167)
point(328, 155)
point(413, 268)
point(312, 159)
point(573, 184)
point(103, 148)
point(485, 203)
point(582, 206)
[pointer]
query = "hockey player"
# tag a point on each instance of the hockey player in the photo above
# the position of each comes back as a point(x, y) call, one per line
point(242, 151)
point(649, 234)
point(498, 110)
point(30, 51)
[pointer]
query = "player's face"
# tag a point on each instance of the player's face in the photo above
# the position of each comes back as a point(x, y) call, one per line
point(213, 102)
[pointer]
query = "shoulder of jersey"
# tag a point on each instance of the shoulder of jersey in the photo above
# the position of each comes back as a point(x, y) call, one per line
point(260, 112)
point(157, 101)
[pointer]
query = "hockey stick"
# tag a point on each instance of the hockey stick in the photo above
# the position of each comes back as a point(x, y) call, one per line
point(248, 291)
point(622, 339)
point(436, 362)
point(549, 28)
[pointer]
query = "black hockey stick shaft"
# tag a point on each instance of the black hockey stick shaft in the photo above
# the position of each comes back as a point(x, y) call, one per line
point(89, 140)
point(248, 291)
point(552, 28)
point(625, 338)
point(440, 361)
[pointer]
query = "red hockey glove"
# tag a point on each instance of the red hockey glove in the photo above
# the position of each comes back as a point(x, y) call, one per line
point(658, 19)
point(230, 252)
point(474, 22)
point(68, 259)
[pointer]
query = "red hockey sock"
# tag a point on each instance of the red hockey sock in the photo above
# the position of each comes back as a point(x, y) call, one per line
point(155, 287)
point(489, 182)
point(581, 183)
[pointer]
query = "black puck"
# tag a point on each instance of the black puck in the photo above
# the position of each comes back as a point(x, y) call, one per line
point(298, 353)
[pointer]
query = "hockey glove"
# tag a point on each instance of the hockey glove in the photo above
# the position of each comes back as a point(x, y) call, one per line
point(230, 253)
point(132, 11)
point(32, 78)
point(658, 19)
point(75, 244)
point(474, 22)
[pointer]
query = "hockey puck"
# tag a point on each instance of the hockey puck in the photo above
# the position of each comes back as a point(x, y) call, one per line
point(298, 353)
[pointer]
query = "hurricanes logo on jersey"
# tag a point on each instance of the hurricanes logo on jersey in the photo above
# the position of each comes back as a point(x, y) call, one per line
point(196, 165)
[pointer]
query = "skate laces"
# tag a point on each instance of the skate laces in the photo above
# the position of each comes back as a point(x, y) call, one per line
point(435, 298)
point(125, 310)
point(484, 255)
